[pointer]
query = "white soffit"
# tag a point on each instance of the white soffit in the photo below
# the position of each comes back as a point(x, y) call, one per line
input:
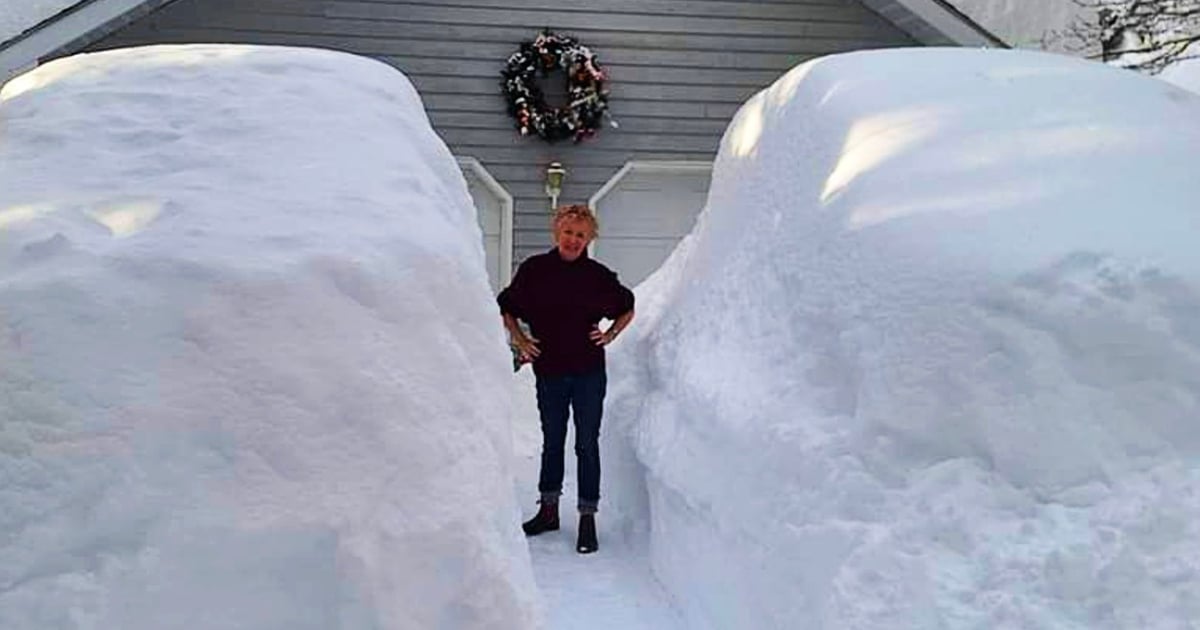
point(934, 22)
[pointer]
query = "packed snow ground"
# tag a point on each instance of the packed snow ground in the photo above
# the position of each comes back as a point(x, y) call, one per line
point(929, 359)
point(611, 589)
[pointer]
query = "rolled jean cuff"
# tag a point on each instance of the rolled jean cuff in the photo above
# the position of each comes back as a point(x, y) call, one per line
point(550, 497)
point(587, 507)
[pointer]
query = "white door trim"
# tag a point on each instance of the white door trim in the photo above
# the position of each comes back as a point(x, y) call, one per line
point(506, 213)
point(643, 166)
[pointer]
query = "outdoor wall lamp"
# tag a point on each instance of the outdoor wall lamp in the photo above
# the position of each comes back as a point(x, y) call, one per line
point(555, 173)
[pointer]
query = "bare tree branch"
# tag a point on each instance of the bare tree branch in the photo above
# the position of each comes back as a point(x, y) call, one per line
point(1146, 35)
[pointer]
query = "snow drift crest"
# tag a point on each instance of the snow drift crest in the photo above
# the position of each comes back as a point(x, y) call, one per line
point(930, 356)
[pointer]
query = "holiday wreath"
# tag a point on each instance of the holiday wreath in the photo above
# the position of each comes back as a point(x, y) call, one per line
point(587, 100)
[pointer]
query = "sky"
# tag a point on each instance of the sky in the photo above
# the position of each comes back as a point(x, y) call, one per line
point(927, 359)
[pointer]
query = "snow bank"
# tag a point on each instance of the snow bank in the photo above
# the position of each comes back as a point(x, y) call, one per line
point(931, 357)
point(248, 353)
point(1186, 73)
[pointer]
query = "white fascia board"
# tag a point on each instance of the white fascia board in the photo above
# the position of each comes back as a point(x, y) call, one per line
point(647, 166)
point(954, 25)
point(23, 52)
point(643, 166)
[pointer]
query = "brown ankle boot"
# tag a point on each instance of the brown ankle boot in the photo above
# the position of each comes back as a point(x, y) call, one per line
point(546, 520)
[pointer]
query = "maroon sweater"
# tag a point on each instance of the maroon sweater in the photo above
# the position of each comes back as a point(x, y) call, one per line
point(562, 301)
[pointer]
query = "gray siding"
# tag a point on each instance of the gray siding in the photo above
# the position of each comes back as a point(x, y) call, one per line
point(679, 69)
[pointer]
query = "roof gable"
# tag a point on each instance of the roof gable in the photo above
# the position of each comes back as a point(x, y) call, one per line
point(934, 22)
point(18, 16)
point(931, 22)
point(72, 27)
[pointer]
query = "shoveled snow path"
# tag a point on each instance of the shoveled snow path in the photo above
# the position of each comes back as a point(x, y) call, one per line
point(612, 588)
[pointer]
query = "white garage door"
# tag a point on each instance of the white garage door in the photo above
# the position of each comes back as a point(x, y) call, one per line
point(644, 211)
point(493, 206)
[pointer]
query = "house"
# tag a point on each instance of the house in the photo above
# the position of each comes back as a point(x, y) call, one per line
point(678, 70)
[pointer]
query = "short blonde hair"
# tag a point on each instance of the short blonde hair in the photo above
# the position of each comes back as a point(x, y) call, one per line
point(575, 212)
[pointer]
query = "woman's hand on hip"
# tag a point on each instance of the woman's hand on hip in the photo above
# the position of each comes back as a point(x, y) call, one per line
point(602, 338)
point(527, 347)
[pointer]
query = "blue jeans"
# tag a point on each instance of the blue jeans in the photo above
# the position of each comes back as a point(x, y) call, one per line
point(584, 394)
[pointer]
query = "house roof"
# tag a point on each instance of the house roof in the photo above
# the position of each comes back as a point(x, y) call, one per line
point(931, 22)
point(934, 22)
point(74, 25)
point(17, 16)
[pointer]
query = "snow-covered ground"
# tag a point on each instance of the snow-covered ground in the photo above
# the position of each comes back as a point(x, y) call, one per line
point(249, 357)
point(929, 359)
point(611, 589)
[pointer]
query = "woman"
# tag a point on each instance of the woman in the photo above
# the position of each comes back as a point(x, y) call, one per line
point(563, 294)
